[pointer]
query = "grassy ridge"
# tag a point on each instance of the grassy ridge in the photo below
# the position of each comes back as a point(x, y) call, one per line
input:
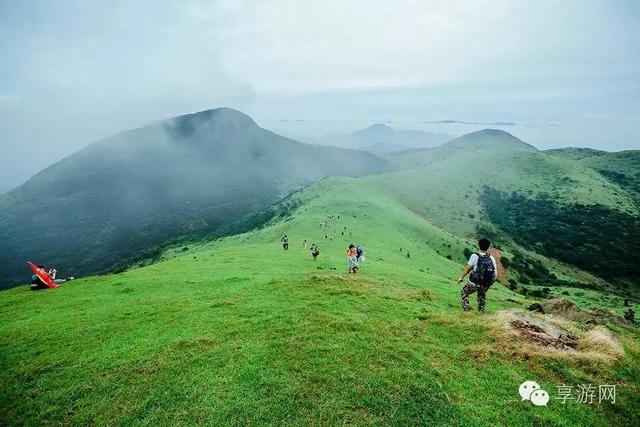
point(193, 175)
point(444, 184)
point(621, 168)
point(238, 331)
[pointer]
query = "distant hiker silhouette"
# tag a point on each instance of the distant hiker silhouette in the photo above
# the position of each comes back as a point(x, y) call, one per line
point(315, 251)
point(285, 242)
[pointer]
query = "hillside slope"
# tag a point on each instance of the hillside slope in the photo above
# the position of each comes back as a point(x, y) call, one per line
point(622, 167)
point(238, 331)
point(492, 182)
point(195, 175)
point(445, 183)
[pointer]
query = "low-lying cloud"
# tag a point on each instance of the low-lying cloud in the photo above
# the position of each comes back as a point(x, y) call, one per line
point(74, 72)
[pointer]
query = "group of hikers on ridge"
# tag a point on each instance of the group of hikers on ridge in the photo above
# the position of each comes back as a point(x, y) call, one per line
point(481, 268)
point(355, 253)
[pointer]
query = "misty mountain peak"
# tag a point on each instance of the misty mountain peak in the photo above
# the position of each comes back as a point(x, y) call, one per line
point(491, 138)
point(376, 128)
point(493, 133)
point(225, 119)
point(380, 126)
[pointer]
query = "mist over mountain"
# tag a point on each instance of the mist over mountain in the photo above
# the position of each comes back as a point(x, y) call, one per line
point(195, 175)
point(380, 138)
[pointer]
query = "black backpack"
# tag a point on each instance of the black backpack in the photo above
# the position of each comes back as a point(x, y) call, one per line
point(485, 273)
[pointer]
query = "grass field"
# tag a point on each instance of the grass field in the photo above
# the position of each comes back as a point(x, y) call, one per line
point(238, 331)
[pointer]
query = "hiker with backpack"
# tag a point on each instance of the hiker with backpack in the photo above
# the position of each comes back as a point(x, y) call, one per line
point(483, 269)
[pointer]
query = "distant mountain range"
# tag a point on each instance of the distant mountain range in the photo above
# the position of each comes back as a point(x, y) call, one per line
point(214, 173)
point(195, 175)
point(380, 138)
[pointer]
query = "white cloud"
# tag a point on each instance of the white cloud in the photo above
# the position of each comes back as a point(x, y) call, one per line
point(72, 71)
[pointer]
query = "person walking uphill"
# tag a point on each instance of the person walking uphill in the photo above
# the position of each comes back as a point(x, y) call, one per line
point(315, 251)
point(352, 261)
point(285, 242)
point(483, 269)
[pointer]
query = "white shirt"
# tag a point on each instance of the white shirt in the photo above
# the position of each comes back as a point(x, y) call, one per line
point(473, 261)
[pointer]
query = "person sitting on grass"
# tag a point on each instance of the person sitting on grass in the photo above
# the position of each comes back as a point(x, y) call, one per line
point(483, 269)
point(37, 283)
point(53, 273)
point(352, 261)
point(315, 251)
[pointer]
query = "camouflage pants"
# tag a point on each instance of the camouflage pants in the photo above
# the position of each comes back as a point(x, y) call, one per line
point(470, 288)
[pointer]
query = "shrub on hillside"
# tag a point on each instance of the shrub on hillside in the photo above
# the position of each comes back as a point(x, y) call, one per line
point(582, 235)
point(630, 315)
point(506, 262)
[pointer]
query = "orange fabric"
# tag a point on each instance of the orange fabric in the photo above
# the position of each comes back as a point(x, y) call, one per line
point(43, 275)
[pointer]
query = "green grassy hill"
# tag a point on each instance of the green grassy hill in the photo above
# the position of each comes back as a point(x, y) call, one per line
point(120, 198)
point(492, 182)
point(621, 168)
point(442, 182)
point(238, 331)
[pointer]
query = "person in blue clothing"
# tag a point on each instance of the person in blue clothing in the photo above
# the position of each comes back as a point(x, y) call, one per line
point(359, 254)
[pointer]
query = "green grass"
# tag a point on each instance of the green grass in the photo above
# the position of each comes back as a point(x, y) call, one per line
point(237, 332)
point(445, 190)
point(621, 168)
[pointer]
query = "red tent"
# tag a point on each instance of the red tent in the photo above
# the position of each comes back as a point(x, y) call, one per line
point(42, 275)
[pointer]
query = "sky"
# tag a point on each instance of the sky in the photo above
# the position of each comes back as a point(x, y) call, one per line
point(554, 73)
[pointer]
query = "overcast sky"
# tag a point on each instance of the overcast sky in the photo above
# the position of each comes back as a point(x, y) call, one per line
point(565, 73)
